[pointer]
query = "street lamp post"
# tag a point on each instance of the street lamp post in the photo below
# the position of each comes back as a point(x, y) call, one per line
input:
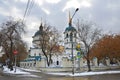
point(71, 39)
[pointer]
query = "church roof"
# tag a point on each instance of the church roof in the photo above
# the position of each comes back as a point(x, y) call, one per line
point(37, 33)
point(40, 31)
point(70, 28)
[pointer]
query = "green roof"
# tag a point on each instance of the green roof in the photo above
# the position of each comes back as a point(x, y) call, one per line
point(70, 28)
point(37, 33)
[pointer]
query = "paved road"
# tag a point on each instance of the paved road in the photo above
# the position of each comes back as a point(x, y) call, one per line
point(41, 76)
point(19, 77)
point(98, 77)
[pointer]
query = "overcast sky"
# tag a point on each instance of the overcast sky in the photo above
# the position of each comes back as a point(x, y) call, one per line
point(105, 13)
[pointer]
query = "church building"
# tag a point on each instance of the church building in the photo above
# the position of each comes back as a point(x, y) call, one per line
point(36, 59)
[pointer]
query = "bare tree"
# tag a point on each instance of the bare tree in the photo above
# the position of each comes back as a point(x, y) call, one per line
point(88, 34)
point(49, 39)
point(10, 33)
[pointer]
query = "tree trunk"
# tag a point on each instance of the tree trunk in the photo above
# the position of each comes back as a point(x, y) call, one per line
point(11, 58)
point(50, 59)
point(48, 63)
point(47, 60)
point(88, 64)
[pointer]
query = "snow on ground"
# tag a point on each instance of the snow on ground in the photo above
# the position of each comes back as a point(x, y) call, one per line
point(86, 73)
point(77, 74)
point(30, 70)
point(18, 71)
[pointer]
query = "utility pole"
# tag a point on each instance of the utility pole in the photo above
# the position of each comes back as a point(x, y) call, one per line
point(71, 39)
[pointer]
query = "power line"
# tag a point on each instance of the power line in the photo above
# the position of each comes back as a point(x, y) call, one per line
point(26, 9)
point(31, 6)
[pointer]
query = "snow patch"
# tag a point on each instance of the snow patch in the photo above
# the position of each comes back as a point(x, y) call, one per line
point(85, 73)
point(30, 70)
point(18, 71)
point(27, 74)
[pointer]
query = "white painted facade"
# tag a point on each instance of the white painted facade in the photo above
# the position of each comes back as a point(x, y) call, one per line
point(63, 60)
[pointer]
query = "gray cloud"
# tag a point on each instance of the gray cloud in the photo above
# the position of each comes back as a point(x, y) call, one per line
point(105, 13)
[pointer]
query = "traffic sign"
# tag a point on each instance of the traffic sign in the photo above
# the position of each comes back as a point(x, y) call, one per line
point(78, 47)
point(15, 52)
point(79, 54)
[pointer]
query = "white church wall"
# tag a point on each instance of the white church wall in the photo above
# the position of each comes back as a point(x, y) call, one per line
point(66, 62)
point(57, 59)
point(41, 63)
point(35, 51)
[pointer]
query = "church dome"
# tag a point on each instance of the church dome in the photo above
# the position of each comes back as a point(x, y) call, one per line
point(37, 33)
point(40, 31)
point(70, 28)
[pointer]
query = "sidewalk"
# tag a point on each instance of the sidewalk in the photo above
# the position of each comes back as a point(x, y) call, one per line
point(85, 73)
point(19, 72)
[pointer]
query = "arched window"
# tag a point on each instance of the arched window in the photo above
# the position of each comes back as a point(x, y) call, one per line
point(71, 36)
point(57, 62)
point(67, 35)
point(27, 64)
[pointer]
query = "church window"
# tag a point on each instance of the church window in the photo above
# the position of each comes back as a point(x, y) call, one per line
point(57, 62)
point(66, 35)
point(71, 36)
point(28, 64)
